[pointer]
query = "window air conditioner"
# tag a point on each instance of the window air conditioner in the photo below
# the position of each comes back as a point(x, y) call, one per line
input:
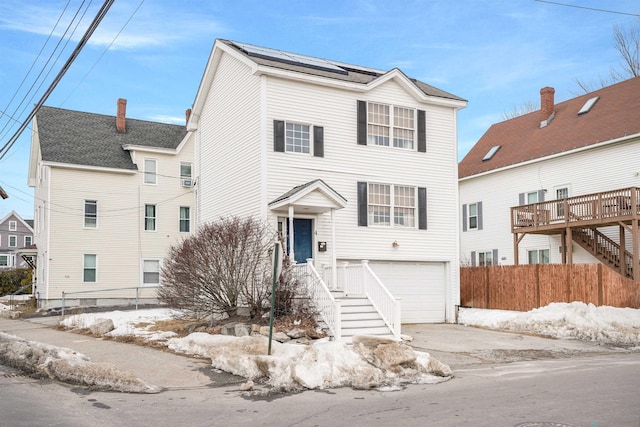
point(187, 183)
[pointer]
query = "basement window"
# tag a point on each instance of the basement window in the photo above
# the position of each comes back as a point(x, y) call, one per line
point(491, 152)
point(588, 105)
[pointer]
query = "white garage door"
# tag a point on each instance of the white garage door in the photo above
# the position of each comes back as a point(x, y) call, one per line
point(421, 287)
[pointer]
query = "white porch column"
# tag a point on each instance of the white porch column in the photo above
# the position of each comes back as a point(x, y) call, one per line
point(292, 256)
point(334, 267)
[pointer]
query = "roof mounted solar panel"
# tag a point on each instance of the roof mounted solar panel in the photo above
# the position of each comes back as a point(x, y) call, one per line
point(289, 58)
point(588, 105)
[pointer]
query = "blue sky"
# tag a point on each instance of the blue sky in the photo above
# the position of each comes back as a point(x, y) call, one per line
point(495, 53)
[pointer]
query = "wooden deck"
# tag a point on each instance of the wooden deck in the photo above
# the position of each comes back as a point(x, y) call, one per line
point(571, 217)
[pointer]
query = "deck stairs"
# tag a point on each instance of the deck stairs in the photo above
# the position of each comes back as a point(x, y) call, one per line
point(606, 250)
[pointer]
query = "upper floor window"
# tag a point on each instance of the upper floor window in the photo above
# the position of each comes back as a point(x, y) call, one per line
point(538, 256)
point(150, 171)
point(13, 225)
point(293, 137)
point(13, 241)
point(28, 241)
point(91, 213)
point(390, 125)
point(297, 138)
point(472, 216)
point(185, 170)
point(185, 218)
point(90, 268)
point(150, 217)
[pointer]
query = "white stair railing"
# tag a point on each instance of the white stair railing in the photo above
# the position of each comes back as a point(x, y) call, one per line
point(356, 279)
point(328, 307)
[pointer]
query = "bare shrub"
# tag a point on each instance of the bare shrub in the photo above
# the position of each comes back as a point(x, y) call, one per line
point(225, 265)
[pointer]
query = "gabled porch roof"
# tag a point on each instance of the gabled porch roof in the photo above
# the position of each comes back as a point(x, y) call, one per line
point(314, 197)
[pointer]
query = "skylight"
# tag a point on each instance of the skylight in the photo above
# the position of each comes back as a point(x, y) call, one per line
point(588, 105)
point(491, 152)
point(289, 58)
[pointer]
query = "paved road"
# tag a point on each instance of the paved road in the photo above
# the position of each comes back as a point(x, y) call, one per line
point(587, 391)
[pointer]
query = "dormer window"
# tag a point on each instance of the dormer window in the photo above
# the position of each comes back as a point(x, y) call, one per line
point(588, 105)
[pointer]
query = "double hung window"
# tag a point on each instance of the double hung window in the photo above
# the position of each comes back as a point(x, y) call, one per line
point(150, 217)
point(90, 213)
point(387, 123)
point(388, 201)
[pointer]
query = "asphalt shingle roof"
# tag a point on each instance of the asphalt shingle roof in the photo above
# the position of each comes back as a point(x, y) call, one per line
point(354, 73)
point(615, 115)
point(80, 138)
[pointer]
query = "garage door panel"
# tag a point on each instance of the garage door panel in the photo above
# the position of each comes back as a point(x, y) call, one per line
point(420, 286)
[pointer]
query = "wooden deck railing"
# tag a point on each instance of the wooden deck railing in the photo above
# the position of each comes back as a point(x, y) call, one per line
point(606, 207)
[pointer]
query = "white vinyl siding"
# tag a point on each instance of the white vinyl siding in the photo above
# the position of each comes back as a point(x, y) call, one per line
point(581, 172)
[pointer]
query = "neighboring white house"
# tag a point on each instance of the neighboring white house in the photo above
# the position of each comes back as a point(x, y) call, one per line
point(586, 145)
point(111, 195)
point(359, 163)
point(15, 234)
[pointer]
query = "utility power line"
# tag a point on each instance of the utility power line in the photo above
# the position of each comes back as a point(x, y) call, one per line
point(588, 8)
point(85, 38)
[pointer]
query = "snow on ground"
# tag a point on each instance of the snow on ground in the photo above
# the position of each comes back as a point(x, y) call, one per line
point(369, 363)
point(576, 320)
point(3, 307)
point(66, 365)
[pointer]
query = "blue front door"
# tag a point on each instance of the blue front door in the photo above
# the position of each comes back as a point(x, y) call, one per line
point(302, 239)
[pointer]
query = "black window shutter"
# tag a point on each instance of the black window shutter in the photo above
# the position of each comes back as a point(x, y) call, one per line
point(362, 204)
point(473, 258)
point(422, 208)
point(278, 136)
point(318, 141)
point(362, 122)
point(464, 217)
point(521, 199)
point(422, 132)
point(479, 209)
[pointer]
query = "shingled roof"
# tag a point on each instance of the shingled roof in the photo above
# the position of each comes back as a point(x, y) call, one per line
point(615, 115)
point(79, 138)
point(350, 73)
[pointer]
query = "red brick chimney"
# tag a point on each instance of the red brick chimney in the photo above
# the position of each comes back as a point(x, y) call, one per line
point(188, 115)
point(546, 103)
point(121, 117)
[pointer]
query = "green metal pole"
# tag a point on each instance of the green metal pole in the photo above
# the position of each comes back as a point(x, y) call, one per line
point(276, 253)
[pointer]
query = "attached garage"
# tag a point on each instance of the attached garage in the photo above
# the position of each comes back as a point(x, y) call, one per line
point(420, 285)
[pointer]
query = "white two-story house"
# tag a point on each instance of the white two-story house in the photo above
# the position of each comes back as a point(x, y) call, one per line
point(558, 185)
point(111, 195)
point(349, 163)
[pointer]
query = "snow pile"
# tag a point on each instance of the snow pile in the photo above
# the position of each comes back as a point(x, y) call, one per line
point(66, 365)
point(576, 320)
point(126, 323)
point(3, 307)
point(370, 363)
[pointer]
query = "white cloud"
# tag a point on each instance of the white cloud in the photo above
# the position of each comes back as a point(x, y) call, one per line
point(149, 26)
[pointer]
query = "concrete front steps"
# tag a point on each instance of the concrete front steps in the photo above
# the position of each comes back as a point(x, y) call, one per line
point(359, 317)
